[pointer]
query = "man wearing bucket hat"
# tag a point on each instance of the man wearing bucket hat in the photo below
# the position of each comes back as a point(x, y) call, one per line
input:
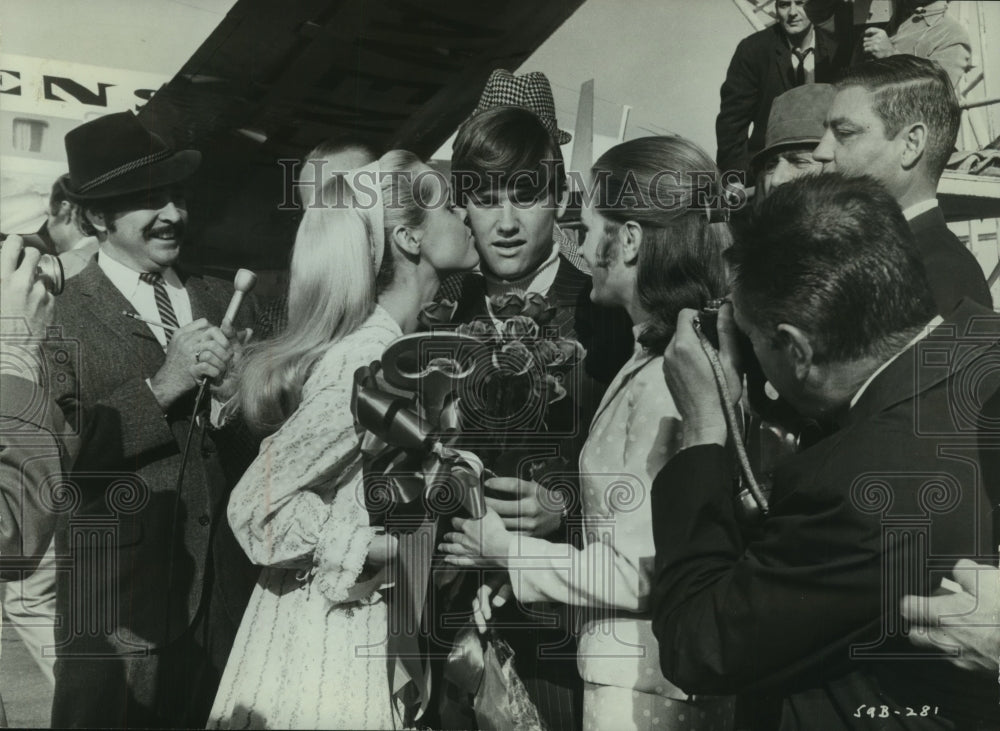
point(794, 128)
point(790, 53)
point(149, 608)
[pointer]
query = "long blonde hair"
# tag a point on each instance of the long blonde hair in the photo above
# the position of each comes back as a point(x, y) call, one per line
point(332, 288)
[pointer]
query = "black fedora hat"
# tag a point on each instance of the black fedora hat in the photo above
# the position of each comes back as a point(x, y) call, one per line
point(115, 155)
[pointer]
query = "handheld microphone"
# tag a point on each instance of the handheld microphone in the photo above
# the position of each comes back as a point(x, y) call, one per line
point(243, 283)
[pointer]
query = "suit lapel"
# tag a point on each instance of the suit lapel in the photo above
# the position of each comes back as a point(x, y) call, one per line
point(783, 61)
point(825, 49)
point(563, 294)
point(204, 298)
point(107, 304)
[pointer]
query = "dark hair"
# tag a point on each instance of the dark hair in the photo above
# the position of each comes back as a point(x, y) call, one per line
point(664, 184)
point(907, 89)
point(502, 147)
point(57, 196)
point(106, 209)
point(833, 256)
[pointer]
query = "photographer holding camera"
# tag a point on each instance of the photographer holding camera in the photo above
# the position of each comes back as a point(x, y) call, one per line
point(29, 450)
point(802, 619)
point(33, 444)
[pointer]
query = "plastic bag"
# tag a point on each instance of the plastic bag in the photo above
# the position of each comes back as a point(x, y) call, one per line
point(481, 667)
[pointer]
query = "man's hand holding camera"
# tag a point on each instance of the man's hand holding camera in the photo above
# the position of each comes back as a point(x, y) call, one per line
point(692, 381)
point(26, 308)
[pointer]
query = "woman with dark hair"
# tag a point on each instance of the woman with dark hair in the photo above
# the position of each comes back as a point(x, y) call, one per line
point(310, 651)
point(653, 250)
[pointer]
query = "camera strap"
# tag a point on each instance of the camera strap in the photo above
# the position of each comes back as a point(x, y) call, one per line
point(752, 486)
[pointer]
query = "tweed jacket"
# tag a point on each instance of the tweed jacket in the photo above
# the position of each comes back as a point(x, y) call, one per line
point(150, 572)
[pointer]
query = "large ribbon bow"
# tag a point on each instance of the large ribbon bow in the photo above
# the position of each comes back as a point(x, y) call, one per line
point(413, 474)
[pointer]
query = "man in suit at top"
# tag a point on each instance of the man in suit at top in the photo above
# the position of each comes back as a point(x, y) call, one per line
point(508, 174)
point(149, 609)
point(766, 64)
point(896, 119)
point(800, 616)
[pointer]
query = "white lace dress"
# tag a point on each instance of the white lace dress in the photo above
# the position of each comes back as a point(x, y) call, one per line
point(310, 652)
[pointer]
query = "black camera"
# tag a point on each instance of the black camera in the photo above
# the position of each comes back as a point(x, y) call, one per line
point(708, 320)
point(764, 402)
point(49, 271)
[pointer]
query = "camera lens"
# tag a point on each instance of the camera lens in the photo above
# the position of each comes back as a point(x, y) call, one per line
point(49, 272)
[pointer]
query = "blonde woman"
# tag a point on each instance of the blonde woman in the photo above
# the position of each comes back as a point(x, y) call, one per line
point(310, 652)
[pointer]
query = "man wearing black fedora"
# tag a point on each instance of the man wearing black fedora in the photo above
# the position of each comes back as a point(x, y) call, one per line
point(155, 591)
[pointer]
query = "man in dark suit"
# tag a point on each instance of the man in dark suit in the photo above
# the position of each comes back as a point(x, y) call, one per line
point(799, 614)
point(765, 65)
point(508, 174)
point(155, 590)
point(896, 119)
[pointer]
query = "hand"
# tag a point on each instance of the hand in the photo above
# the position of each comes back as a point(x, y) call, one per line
point(382, 550)
point(196, 351)
point(25, 304)
point(876, 43)
point(482, 611)
point(223, 390)
point(525, 512)
point(691, 380)
point(482, 542)
point(969, 620)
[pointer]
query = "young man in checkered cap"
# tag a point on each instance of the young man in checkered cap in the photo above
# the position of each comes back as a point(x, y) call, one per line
point(155, 591)
point(508, 175)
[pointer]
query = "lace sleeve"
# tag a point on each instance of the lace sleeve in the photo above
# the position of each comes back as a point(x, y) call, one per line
point(299, 504)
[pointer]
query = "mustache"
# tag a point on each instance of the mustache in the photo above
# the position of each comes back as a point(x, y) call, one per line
point(174, 230)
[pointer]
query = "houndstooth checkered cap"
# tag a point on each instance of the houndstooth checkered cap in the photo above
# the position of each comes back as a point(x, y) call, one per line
point(530, 91)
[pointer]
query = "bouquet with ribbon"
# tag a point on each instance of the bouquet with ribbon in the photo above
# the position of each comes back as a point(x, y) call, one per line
point(428, 411)
point(516, 374)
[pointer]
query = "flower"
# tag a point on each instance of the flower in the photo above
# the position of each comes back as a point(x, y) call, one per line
point(437, 313)
point(559, 354)
point(507, 305)
point(513, 359)
point(480, 328)
point(538, 308)
point(519, 327)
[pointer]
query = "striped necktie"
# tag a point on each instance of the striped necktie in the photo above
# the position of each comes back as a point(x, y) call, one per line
point(167, 316)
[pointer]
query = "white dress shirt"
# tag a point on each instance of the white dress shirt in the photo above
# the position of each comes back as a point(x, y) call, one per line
point(141, 296)
point(920, 336)
point(911, 212)
point(810, 59)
